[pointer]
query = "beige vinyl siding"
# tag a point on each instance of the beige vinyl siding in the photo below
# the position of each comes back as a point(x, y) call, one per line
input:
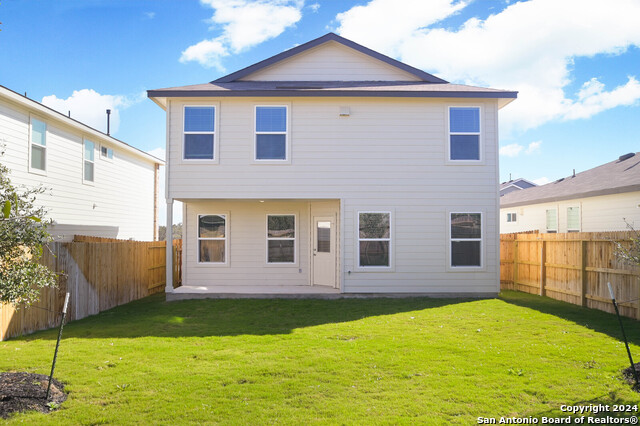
point(247, 247)
point(597, 214)
point(331, 62)
point(388, 155)
point(119, 203)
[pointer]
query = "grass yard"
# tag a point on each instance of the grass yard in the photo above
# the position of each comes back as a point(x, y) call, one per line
point(351, 361)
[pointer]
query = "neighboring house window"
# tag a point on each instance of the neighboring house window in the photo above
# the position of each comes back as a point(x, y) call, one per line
point(89, 161)
point(271, 133)
point(106, 152)
point(199, 132)
point(212, 238)
point(573, 219)
point(552, 221)
point(281, 238)
point(466, 239)
point(511, 217)
point(38, 145)
point(374, 239)
point(464, 133)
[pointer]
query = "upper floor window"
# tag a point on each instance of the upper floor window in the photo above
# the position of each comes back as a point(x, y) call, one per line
point(374, 239)
point(38, 142)
point(466, 239)
point(106, 152)
point(271, 140)
point(89, 161)
point(464, 133)
point(199, 132)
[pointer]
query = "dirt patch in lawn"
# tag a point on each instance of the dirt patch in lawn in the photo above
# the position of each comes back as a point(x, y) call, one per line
point(27, 391)
point(628, 375)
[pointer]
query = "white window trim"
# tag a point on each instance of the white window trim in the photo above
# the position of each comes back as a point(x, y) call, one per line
point(105, 157)
point(84, 161)
point(226, 240)
point(372, 268)
point(46, 134)
point(512, 217)
point(546, 224)
point(295, 240)
point(578, 229)
point(216, 145)
point(287, 134)
point(480, 134)
point(450, 240)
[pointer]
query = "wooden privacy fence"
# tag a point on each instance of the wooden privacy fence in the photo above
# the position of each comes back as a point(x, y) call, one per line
point(573, 267)
point(99, 276)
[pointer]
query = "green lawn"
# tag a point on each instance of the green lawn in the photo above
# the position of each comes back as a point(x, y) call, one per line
point(351, 361)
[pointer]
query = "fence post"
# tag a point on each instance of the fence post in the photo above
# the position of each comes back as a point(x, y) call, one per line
point(543, 268)
point(583, 273)
point(515, 264)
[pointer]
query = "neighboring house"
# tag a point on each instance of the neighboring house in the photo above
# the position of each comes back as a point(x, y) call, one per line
point(97, 185)
point(330, 167)
point(515, 185)
point(605, 198)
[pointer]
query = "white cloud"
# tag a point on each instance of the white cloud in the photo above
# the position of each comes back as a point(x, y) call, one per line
point(541, 181)
point(314, 7)
point(89, 107)
point(514, 149)
point(149, 15)
point(594, 99)
point(511, 150)
point(533, 147)
point(244, 24)
point(529, 46)
point(208, 53)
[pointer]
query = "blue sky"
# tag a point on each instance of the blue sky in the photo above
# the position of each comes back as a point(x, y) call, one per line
point(575, 63)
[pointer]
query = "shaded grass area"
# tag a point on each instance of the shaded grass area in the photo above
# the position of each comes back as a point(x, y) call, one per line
point(350, 361)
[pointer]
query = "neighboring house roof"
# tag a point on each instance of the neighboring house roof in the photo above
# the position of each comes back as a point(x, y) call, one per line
point(45, 111)
point(615, 177)
point(426, 85)
point(515, 185)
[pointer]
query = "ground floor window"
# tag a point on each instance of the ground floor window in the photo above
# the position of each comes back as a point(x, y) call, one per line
point(511, 217)
point(281, 238)
point(212, 238)
point(552, 221)
point(573, 219)
point(374, 239)
point(466, 239)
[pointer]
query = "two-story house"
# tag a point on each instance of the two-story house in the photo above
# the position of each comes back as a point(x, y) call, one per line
point(331, 168)
point(96, 185)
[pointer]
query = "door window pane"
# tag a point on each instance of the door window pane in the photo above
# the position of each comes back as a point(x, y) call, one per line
point(324, 237)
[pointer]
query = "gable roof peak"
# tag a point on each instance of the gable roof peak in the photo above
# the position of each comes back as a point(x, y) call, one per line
point(422, 75)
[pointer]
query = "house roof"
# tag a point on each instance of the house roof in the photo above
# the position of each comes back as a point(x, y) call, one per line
point(45, 111)
point(618, 176)
point(424, 76)
point(519, 183)
point(428, 85)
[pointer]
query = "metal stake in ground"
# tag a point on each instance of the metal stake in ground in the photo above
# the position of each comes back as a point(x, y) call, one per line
point(55, 354)
point(633, 366)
